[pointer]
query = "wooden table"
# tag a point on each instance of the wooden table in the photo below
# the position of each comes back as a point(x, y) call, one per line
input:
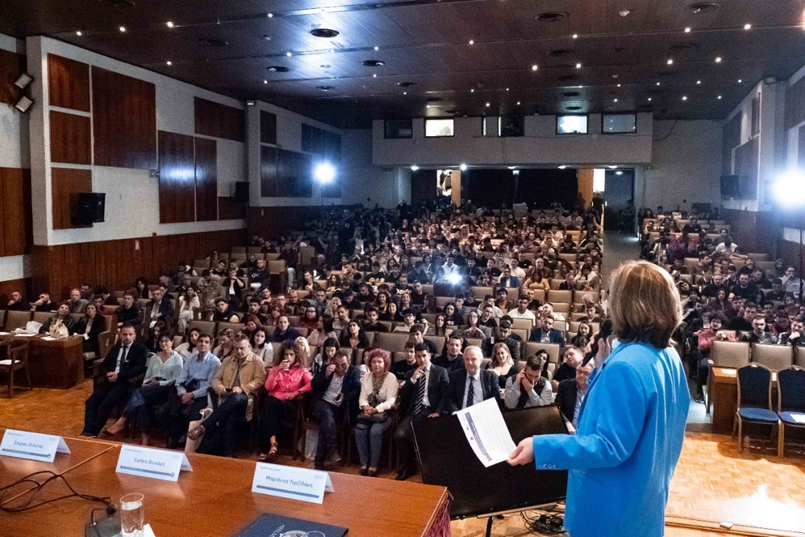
point(54, 363)
point(215, 499)
point(725, 398)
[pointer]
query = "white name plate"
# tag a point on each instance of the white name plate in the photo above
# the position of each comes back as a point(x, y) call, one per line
point(154, 463)
point(33, 446)
point(292, 483)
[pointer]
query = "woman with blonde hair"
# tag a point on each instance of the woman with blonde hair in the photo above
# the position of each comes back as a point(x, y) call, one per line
point(502, 363)
point(302, 349)
point(632, 417)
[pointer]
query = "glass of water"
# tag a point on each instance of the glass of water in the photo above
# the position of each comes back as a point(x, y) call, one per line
point(132, 515)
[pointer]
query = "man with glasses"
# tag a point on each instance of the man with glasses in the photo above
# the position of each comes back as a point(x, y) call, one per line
point(570, 395)
point(335, 390)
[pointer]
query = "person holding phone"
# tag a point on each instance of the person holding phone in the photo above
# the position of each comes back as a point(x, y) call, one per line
point(631, 423)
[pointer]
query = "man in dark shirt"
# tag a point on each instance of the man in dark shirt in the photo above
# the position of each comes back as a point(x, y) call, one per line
point(759, 334)
point(417, 294)
point(17, 303)
point(129, 313)
point(744, 323)
point(44, 303)
point(372, 324)
point(401, 367)
point(745, 288)
point(691, 227)
point(503, 334)
point(452, 359)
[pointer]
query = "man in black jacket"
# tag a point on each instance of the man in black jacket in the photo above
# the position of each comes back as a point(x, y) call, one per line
point(571, 394)
point(160, 309)
point(335, 390)
point(471, 384)
point(124, 361)
point(128, 312)
point(419, 401)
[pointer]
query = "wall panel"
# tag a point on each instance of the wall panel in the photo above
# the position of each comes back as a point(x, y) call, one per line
point(268, 171)
point(231, 209)
point(177, 197)
point(124, 120)
point(795, 104)
point(68, 83)
point(268, 127)
point(15, 197)
point(11, 67)
point(70, 138)
point(220, 121)
point(66, 183)
point(746, 168)
point(8, 286)
point(206, 180)
point(731, 138)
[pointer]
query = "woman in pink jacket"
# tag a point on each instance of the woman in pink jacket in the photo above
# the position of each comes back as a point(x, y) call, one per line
point(286, 382)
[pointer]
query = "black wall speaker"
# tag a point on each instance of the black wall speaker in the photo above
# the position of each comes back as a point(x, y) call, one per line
point(242, 191)
point(90, 208)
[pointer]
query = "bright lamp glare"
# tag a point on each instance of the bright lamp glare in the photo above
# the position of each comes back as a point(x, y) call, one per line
point(453, 278)
point(789, 189)
point(324, 172)
point(463, 167)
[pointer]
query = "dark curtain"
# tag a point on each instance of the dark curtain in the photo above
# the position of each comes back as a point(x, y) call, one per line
point(488, 187)
point(541, 187)
point(423, 187)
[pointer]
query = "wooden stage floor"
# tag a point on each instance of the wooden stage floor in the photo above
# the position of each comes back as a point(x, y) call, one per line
point(756, 491)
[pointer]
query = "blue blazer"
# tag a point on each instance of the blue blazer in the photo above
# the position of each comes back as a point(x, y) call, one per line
point(630, 433)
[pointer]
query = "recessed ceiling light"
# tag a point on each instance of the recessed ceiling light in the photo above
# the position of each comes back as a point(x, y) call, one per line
point(325, 66)
point(373, 63)
point(518, 103)
point(270, 15)
point(487, 105)
point(332, 51)
point(563, 166)
point(649, 99)
point(670, 61)
point(718, 59)
point(377, 48)
point(618, 172)
point(324, 88)
point(78, 33)
point(551, 16)
point(463, 167)
point(472, 90)
point(122, 28)
point(687, 30)
point(374, 75)
point(616, 100)
point(406, 84)
point(619, 85)
point(277, 69)
point(265, 81)
point(611, 167)
point(169, 63)
point(740, 80)
point(578, 66)
point(684, 97)
point(575, 36)
point(534, 67)
point(747, 26)
point(507, 89)
point(472, 41)
point(658, 83)
point(719, 96)
point(266, 37)
point(427, 106)
point(414, 168)
point(698, 82)
point(624, 12)
point(324, 33)
point(170, 24)
point(405, 93)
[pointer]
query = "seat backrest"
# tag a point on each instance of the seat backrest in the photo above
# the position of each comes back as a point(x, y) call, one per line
point(203, 263)
point(775, 357)
point(206, 327)
point(538, 294)
point(799, 356)
point(732, 354)
point(391, 341)
point(791, 389)
point(439, 341)
point(235, 327)
point(523, 324)
point(754, 386)
point(277, 267)
point(41, 317)
point(2, 317)
point(531, 348)
point(18, 351)
point(16, 319)
point(560, 296)
point(480, 291)
point(238, 249)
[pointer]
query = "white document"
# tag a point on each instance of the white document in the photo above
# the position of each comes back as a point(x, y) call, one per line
point(154, 463)
point(290, 482)
point(486, 432)
point(33, 446)
point(798, 417)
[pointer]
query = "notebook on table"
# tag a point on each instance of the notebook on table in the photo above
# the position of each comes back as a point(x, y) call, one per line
point(282, 526)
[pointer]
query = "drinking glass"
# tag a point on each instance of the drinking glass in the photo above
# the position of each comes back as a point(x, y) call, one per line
point(132, 515)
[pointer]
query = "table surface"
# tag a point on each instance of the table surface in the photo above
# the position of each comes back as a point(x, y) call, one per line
point(215, 498)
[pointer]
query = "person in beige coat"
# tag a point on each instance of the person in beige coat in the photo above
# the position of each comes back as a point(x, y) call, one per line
point(234, 384)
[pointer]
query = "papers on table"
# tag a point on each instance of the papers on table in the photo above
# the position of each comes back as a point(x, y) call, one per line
point(798, 417)
point(486, 432)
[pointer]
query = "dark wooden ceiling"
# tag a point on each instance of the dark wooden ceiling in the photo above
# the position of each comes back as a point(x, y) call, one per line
point(427, 43)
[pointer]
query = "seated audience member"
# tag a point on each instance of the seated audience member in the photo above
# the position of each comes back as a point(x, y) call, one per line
point(417, 335)
point(160, 308)
point(128, 312)
point(528, 388)
point(507, 280)
point(44, 303)
point(401, 367)
point(61, 324)
point(225, 343)
point(470, 384)
point(745, 289)
point(546, 333)
point(743, 323)
point(234, 384)
point(326, 355)
point(522, 311)
point(547, 311)
point(591, 314)
point(354, 337)
point(192, 387)
point(212, 292)
point(125, 360)
point(287, 381)
point(570, 395)
point(474, 330)
point(141, 289)
point(451, 359)
point(258, 275)
point(310, 319)
point(794, 336)
point(90, 327)
point(335, 391)
point(284, 331)
point(188, 302)
point(262, 347)
point(759, 334)
point(224, 312)
point(108, 299)
point(567, 370)
point(409, 319)
point(377, 398)
point(294, 305)
point(791, 282)
point(452, 317)
point(423, 395)
point(488, 318)
point(17, 303)
point(583, 336)
point(187, 348)
point(502, 364)
point(302, 349)
point(77, 304)
point(372, 321)
point(503, 333)
point(255, 310)
point(163, 370)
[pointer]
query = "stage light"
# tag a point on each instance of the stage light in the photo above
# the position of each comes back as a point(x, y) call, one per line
point(463, 167)
point(453, 278)
point(789, 189)
point(324, 172)
point(414, 168)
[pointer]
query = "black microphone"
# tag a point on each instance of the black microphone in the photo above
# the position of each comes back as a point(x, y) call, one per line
point(603, 333)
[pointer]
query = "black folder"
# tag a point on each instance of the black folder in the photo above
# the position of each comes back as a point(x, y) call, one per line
point(267, 525)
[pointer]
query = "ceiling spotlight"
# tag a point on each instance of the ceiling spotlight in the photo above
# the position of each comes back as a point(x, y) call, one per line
point(534, 67)
point(414, 168)
point(472, 41)
point(624, 12)
point(611, 167)
point(374, 75)
point(649, 99)
point(616, 100)
point(325, 66)
point(507, 89)
point(518, 103)
point(289, 54)
point(332, 51)
point(169, 63)
point(718, 59)
point(324, 172)
point(658, 83)
point(463, 167)
point(618, 172)
point(78, 33)
point(619, 85)
point(747, 26)
point(265, 81)
point(170, 24)
point(575, 36)
point(405, 93)
point(487, 105)
point(23, 81)
point(740, 80)
point(122, 28)
point(563, 166)
point(684, 97)
point(670, 61)
point(472, 90)
point(698, 82)
point(687, 30)
point(719, 96)
point(24, 104)
point(578, 66)
point(377, 48)
point(270, 15)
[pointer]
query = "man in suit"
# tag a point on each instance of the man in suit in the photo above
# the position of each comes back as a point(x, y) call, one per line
point(124, 361)
point(423, 395)
point(507, 280)
point(471, 384)
point(336, 388)
point(77, 304)
point(570, 395)
point(160, 309)
point(546, 333)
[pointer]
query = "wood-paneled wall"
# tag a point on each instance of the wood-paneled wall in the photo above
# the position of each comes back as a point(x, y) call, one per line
point(206, 180)
point(746, 168)
point(231, 209)
point(15, 211)
point(24, 286)
point(117, 264)
point(268, 127)
point(11, 67)
point(66, 183)
point(177, 196)
point(219, 121)
point(730, 140)
point(70, 138)
point(68, 83)
point(795, 104)
point(124, 120)
point(754, 231)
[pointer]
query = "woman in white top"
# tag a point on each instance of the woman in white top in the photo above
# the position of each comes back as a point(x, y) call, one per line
point(187, 302)
point(262, 347)
point(378, 394)
point(189, 346)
